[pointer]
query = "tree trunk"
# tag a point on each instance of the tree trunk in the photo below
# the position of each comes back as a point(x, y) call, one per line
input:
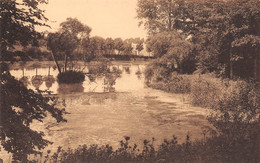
point(56, 62)
point(179, 67)
point(65, 64)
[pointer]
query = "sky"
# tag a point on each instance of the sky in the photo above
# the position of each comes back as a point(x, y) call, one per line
point(107, 18)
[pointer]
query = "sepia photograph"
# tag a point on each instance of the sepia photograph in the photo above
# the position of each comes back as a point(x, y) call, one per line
point(130, 81)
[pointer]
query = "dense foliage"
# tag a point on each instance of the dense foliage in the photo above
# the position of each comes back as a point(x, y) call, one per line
point(173, 51)
point(14, 30)
point(213, 149)
point(223, 35)
point(227, 37)
point(19, 108)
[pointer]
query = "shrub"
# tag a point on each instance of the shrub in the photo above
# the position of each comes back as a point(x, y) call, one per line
point(206, 90)
point(224, 95)
point(69, 77)
point(176, 83)
point(180, 83)
point(158, 71)
point(235, 113)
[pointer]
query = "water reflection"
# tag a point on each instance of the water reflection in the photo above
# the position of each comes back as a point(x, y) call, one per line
point(70, 88)
point(49, 80)
point(25, 81)
point(110, 79)
point(127, 69)
point(138, 73)
point(119, 78)
point(37, 81)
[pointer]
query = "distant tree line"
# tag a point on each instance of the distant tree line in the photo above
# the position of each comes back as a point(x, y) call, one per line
point(73, 42)
point(208, 36)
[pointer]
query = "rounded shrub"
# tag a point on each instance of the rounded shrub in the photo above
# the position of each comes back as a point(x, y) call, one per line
point(70, 77)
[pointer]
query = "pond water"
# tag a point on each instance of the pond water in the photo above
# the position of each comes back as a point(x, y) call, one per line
point(104, 111)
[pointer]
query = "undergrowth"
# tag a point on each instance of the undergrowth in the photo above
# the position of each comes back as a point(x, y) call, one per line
point(213, 149)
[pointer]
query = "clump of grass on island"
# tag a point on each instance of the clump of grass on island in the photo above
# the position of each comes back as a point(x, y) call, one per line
point(71, 77)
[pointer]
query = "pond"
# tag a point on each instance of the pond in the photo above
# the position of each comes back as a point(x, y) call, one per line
point(102, 111)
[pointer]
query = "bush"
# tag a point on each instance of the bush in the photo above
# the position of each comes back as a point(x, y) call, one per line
point(205, 91)
point(180, 83)
point(69, 77)
point(235, 113)
point(224, 95)
point(176, 83)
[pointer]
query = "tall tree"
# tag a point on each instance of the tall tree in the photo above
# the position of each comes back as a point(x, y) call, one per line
point(221, 31)
point(119, 45)
point(62, 45)
point(20, 106)
point(163, 15)
point(70, 37)
point(75, 27)
point(224, 30)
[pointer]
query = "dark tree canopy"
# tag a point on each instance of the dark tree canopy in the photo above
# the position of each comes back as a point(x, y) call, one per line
point(20, 106)
point(18, 20)
point(225, 32)
point(227, 36)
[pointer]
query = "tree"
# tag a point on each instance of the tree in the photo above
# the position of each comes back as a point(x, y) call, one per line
point(62, 45)
point(219, 30)
point(139, 47)
point(119, 45)
point(20, 106)
point(71, 36)
point(222, 30)
point(76, 28)
point(109, 45)
point(163, 15)
point(18, 20)
point(127, 46)
point(17, 114)
point(173, 49)
point(96, 46)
